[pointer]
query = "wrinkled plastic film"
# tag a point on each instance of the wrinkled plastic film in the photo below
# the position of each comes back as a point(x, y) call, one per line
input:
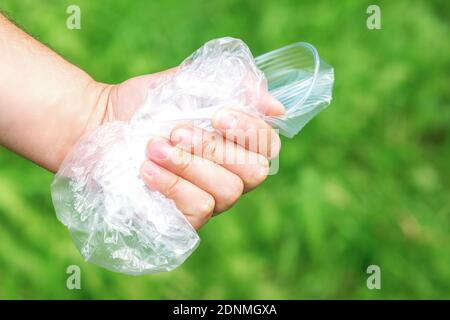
point(119, 223)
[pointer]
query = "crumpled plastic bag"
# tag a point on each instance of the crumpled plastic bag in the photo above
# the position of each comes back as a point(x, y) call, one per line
point(116, 221)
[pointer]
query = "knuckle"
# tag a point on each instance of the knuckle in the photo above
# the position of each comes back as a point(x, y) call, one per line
point(183, 165)
point(259, 174)
point(176, 133)
point(234, 189)
point(209, 146)
point(172, 188)
point(206, 207)
point(275, 145)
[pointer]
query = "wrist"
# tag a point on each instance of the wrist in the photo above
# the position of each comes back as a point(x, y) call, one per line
point(89, 111)
point(98, 102)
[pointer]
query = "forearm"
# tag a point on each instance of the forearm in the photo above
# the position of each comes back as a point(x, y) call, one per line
point(46, 103)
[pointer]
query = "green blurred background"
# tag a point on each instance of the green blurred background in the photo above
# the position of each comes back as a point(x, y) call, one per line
point(366, 182)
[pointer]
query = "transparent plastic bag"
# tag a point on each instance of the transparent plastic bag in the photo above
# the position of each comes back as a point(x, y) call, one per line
point(116, 221)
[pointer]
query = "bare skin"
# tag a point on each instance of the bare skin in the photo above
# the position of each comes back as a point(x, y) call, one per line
point(47, 104)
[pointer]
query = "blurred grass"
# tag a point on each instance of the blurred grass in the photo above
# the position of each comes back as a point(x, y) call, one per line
point(366, 182)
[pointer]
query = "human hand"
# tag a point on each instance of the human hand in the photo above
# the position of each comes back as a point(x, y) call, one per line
point(204, 172)
point(44, 127)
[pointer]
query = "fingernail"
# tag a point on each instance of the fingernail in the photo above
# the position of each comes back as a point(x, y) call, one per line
point(150, 169)
point(159, 150)
point(264, 170)
point(275, 146)
point(277, 107)
point(182, 136)
point(225, 120)
point(271, 106)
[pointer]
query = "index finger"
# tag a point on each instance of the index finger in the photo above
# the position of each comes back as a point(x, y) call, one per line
point(270, 106)
point(252, 133)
